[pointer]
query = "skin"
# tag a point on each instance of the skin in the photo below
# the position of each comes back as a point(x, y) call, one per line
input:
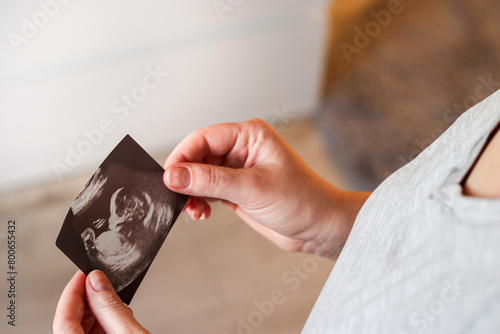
point(484, 179)
point(252, 170)
point(90, 305)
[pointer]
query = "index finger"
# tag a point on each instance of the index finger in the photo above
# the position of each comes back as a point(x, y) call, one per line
point(214, 140)
point(71, 306)
point(232, 145)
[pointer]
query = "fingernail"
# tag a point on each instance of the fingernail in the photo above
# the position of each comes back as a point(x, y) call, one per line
point(178, 177)
point(99, 281)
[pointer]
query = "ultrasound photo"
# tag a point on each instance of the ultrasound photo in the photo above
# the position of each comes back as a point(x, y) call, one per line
point(121, 218)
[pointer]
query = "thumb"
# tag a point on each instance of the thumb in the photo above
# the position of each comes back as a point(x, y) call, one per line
point(108, 309)
point(203, 180)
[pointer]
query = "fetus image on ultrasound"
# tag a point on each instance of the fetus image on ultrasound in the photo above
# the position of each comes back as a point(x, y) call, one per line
point(126, 222)
point(121, 218)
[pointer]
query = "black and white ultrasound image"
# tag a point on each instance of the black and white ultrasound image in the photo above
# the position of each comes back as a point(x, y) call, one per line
point(121, 218)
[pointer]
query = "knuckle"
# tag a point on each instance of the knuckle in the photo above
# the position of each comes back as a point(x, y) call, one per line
point(197, 133)
point(107, 303)
point(262, 126)
point(259, 123)
point(264, 132)
point(214, 178)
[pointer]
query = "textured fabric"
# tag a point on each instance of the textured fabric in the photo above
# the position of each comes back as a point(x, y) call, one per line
point(422, 257)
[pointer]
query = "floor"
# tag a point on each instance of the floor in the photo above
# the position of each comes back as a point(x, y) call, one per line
point(213, 276)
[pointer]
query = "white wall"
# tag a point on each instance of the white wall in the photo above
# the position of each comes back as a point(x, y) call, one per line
point(262, 58)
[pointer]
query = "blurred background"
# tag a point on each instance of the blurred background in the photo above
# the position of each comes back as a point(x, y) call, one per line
point(358, 88)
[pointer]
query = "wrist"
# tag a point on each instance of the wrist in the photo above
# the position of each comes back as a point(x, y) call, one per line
point(330, 230)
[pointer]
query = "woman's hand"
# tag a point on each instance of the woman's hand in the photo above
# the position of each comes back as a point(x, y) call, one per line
point(90, 305)
point(251, 169)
